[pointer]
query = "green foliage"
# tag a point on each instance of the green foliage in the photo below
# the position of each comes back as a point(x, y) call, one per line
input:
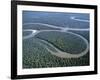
point(35, 55)
point(64, 41)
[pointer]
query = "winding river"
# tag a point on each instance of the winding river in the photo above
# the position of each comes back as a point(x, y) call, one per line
point(60, 53)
